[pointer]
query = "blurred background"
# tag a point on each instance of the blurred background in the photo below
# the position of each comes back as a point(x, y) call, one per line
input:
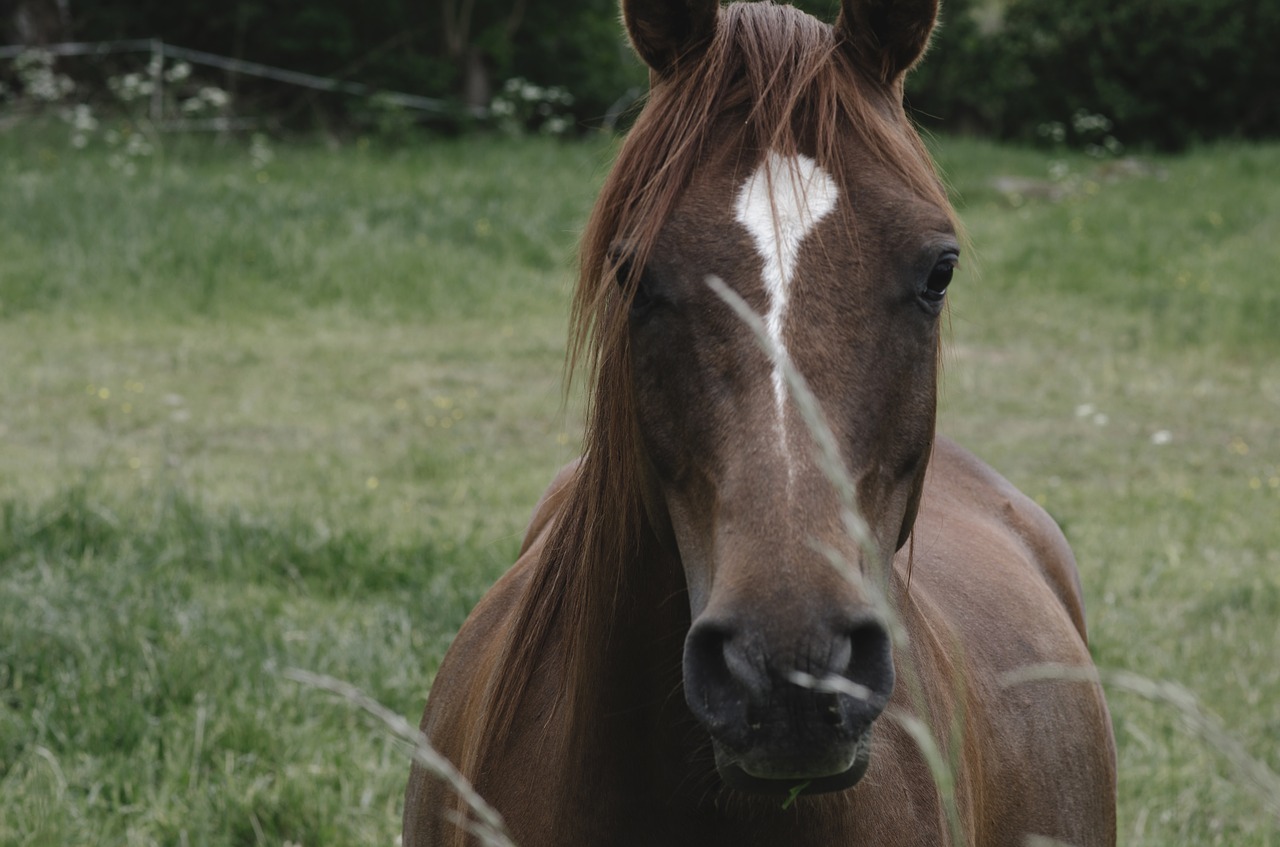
point(283, 299)
point(1076, 72)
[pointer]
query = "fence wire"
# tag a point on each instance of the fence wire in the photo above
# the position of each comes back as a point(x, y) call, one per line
point(161, 50)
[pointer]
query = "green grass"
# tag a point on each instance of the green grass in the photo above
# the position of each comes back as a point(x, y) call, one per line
point(296, 414)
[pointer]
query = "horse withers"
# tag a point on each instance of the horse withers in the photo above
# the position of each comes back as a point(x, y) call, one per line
point(732, 615)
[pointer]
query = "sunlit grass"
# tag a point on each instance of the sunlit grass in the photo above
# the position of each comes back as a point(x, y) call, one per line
point(201, 230)
point(296, 413)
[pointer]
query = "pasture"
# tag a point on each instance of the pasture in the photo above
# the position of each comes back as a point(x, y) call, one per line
point(292, 410)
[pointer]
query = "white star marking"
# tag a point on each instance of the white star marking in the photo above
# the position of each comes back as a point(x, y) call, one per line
point(780, 204)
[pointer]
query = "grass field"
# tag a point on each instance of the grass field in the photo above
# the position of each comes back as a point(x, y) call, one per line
point(292, 411)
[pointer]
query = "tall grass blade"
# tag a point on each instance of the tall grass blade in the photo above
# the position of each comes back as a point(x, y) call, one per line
point(488, 825)
point(1201, 723)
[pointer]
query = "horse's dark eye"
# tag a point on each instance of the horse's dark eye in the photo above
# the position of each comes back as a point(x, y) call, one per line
point(641, 285)
point(939, 278)
point(642, 302)
point(623, 268)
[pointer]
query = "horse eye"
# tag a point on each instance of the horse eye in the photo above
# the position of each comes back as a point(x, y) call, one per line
point(643, 298)
point(643, 301)
point(623, 268)
point(939, 279)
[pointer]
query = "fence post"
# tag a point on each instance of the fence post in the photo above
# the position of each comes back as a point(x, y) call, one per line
point(157, 81)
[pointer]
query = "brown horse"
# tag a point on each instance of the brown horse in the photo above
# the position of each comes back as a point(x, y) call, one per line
point(697, 645)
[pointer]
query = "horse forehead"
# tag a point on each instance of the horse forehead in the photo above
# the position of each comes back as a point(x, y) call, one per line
point(779, 204)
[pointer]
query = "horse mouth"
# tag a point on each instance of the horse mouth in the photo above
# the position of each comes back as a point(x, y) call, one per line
point(842, 767)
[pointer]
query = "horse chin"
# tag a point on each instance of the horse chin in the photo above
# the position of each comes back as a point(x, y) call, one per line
point(748, 777)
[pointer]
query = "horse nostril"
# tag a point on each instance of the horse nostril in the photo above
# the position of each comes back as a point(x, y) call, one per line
point(867, 662)
point(721, 681)
point(704, 654)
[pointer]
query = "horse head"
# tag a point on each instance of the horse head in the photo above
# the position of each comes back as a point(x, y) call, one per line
point(781, 173)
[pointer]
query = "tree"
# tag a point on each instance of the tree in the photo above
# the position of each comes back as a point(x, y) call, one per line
point(37, 22)
point(478, 36)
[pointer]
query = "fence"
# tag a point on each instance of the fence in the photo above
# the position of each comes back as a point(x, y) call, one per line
point(160, 51)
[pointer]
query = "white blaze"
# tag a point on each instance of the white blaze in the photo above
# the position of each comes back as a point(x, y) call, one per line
point(780, 204)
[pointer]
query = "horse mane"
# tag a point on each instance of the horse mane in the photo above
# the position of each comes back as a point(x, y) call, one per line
point(791, 87)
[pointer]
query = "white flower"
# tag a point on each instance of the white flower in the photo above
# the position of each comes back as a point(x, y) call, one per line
point(81, 118)
point(1083, 122)
point(1161, 437)
point(33, 59)
point(178, 72)
point(126, 87)
point(48, 86)
point(215, 97)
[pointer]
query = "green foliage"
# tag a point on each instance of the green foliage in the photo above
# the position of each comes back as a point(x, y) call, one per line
point(579, 47)
point(1163, 74)
point(1094, 74)
point(390, 44)
point(394, 45)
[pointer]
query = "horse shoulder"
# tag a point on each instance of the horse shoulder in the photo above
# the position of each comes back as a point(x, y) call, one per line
point(971, 486)
point(994, 592)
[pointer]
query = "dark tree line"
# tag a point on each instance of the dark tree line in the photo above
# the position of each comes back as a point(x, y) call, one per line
point(35, 22)
point(1083, 72)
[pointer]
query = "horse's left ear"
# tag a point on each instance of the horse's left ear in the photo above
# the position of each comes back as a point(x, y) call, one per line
point(666, 32)
point(886, 37)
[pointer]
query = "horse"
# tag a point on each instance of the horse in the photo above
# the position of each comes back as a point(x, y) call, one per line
point(768, 605)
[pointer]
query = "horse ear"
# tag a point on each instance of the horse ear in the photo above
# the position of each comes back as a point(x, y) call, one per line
point(665, 32)
point(886, 37)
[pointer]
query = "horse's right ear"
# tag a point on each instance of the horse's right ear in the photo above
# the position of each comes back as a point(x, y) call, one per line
point(667, 32)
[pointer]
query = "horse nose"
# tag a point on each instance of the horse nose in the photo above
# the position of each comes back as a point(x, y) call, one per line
point(721, 680)
point(830, 681)
point(862, 669)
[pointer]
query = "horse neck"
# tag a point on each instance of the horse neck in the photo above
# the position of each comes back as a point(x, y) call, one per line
point(631, 706)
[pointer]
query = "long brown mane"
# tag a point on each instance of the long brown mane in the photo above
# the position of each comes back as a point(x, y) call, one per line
point(790, 87)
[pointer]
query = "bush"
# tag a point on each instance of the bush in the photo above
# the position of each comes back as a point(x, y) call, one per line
point(386, 44)
point(579, 47)
point(1165, 74)
point(1162, 73)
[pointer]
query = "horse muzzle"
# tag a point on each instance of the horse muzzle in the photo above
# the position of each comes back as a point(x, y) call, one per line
point(789, 718)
